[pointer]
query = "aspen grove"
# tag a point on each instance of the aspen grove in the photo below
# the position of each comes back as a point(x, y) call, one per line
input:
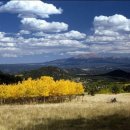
point(45, 86)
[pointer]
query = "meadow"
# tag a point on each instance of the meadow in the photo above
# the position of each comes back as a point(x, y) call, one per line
point(84, 113)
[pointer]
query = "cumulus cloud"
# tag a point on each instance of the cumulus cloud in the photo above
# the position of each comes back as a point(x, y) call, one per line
point(68, 35)
point(42, 25)
point(111, 25)
point(48, 37)
point(111, 35)
point(2, 34)
point(21, 46)
point(24, 32)
point(73, 35)
point(28, 8)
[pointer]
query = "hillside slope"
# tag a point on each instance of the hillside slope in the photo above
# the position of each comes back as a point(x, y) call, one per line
point(55, 72)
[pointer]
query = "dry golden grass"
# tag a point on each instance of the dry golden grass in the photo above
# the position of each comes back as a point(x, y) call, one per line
point(93, 113)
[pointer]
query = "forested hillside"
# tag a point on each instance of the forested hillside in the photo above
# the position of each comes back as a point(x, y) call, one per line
point(9, 79)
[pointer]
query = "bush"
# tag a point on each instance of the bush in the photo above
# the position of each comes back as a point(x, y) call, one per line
point(104, 91)
point(126, 88)
point(116, 89)
point(92, 90)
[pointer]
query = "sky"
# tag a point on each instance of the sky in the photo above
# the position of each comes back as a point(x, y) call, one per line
point(36, 31)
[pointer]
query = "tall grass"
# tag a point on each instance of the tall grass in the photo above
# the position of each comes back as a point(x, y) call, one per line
point(93, 113)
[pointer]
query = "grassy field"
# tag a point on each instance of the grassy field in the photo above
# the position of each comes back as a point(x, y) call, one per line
point(91, 113)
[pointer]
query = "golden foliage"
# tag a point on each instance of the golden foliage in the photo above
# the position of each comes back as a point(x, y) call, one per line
point(45, 86)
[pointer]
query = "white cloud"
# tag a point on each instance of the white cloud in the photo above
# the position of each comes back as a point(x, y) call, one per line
point(29, 8)
point(106, 32)
point(74, 35)
point(24, 32)
point(42, 25)
point(111, 35)
point(2, 34)
point(43, 42)
point(19, 46)
point(62, 36)
point(111, 25)
point(32, 14)
point(8, 44)
point(78, 53)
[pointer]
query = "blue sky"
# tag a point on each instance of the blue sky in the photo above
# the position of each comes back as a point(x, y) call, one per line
point(37, 31)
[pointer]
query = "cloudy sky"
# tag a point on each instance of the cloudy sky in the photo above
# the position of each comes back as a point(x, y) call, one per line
point(37, 31)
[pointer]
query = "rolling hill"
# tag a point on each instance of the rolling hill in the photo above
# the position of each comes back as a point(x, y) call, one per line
point(118, 73)
point(54, 72)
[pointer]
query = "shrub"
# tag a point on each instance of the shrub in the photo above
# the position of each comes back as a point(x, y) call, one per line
point(126, 88)
point(116, 89)
point(92, 90)
point(104, 91)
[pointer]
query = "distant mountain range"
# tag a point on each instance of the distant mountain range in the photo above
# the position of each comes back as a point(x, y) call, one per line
point(80, 64)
